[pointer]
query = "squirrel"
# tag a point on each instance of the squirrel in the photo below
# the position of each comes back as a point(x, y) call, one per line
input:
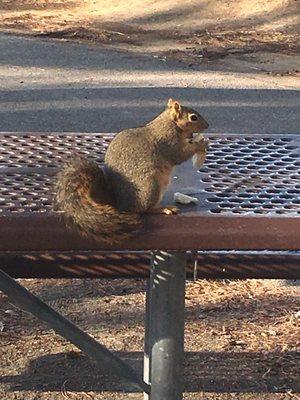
point(107, 202)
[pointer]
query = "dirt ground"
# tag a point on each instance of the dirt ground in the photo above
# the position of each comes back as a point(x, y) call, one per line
point(243, 35)
point(242, 340)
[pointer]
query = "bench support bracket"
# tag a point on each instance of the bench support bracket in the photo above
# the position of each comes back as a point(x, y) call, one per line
point(103, 357)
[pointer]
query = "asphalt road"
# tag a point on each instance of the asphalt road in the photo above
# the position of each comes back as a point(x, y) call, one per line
point(60, 86)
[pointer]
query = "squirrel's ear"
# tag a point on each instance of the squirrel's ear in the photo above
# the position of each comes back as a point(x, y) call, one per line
point(170, 102)
point(175, 109)
point(177, 106)
point(174, 104)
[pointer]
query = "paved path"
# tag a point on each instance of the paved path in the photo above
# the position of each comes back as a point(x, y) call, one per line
point(58, 86)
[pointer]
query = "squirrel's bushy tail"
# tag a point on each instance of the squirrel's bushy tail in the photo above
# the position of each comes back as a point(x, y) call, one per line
point(83, 194)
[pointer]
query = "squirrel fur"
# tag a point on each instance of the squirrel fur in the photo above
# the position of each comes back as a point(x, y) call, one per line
point(107, 202)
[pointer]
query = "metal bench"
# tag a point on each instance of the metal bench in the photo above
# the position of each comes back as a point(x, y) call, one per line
point(247, 224)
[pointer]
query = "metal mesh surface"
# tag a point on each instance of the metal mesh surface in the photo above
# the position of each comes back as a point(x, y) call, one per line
point(49, 150)
point(25, 193)
point(242, 175)
point(253, 175)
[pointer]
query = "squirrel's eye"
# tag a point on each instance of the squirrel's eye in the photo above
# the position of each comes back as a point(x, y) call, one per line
point(193, 117)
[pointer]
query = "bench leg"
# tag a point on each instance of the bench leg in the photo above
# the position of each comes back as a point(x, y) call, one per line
point(147, 347)
point(164, 336)
point(147, 344)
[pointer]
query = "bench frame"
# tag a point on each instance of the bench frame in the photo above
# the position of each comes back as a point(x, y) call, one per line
point(204, 227)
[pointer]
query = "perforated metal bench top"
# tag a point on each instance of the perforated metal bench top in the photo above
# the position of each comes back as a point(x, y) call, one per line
point(248, 191)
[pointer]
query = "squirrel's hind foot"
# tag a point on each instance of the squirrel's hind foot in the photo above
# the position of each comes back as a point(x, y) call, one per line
point(168, 210)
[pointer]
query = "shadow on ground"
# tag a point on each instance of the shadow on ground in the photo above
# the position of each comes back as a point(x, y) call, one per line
point(204, 371)
point(52, 86)
point(111, 109)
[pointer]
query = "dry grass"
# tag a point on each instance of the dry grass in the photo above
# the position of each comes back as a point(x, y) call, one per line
point(241, 340)
point(146, 23)
point(148, 14)
point(195, 32)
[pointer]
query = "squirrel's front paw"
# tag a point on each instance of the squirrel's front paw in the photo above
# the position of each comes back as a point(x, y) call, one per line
point(202, 145)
